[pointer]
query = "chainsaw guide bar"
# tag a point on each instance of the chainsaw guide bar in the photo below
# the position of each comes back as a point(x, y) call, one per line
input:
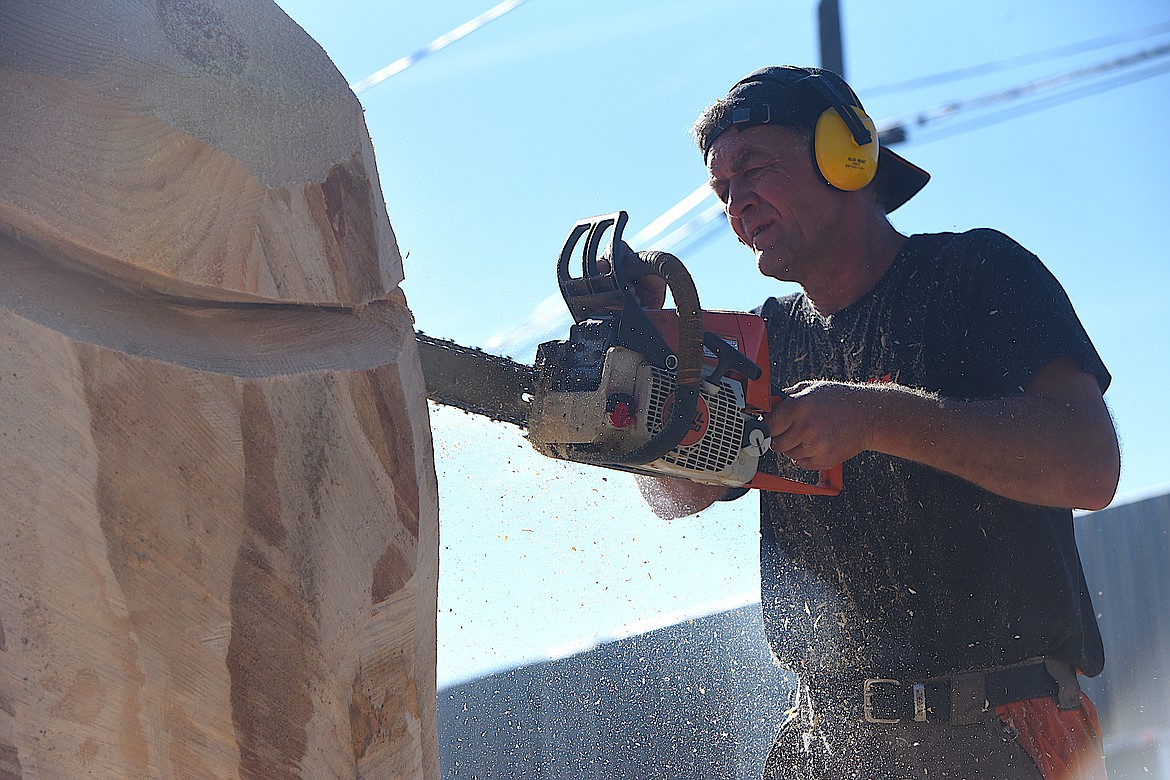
point(476, 381)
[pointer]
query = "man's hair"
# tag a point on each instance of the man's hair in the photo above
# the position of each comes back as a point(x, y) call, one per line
point(707, 120)
point(715, 114)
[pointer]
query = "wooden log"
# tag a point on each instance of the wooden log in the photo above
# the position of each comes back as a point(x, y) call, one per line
point(217, 491)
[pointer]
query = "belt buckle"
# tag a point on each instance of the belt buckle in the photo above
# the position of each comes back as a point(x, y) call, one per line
point(867, 691)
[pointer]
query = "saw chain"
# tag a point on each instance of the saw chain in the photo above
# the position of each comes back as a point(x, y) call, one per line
point(475, 381)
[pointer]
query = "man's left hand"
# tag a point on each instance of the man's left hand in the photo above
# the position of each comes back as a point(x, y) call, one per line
point(820, 424)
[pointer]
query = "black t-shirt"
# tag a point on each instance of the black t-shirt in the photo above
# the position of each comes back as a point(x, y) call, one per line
point(912, 572)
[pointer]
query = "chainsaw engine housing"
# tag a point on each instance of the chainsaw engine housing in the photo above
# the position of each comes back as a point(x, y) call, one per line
point(595, 397)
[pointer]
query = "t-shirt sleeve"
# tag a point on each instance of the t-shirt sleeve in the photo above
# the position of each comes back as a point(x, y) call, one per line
point(1019, 318)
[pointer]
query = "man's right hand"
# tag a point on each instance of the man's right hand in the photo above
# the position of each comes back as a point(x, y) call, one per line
point(648, 288)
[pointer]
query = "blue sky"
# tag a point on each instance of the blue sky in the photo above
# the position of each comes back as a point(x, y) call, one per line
point(489, 151)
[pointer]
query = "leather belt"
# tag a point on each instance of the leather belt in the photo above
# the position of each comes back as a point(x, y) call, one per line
point(961, 699)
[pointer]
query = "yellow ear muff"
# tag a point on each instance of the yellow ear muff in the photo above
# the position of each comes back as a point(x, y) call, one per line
point(844, 164)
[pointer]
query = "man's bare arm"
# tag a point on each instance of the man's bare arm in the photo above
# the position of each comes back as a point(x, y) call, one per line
point(1054, 445)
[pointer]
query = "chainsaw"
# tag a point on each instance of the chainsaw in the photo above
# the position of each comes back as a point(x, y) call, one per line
point(657, 392)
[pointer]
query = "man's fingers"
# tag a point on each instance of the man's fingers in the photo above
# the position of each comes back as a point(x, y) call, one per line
point(650, 290)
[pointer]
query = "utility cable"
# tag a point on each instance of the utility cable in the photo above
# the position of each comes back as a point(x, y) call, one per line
point(1011, 112)
point(402, 63)
point(898, 128)
point(998, 66)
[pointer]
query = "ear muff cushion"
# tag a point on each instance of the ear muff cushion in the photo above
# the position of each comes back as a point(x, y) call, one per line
point(843, 163)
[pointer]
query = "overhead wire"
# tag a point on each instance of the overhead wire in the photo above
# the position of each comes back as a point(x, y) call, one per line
point(704, 227)
point(950, 109)
point(443, 41)
point(998, 66)
point(1011, 112)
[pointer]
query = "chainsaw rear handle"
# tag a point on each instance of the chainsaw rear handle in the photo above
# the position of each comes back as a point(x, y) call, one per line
point(829, 481)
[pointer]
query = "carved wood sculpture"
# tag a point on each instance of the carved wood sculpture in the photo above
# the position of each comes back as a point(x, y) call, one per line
point(219, 511)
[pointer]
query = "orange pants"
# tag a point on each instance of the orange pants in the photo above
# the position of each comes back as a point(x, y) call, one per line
point(1065, 744)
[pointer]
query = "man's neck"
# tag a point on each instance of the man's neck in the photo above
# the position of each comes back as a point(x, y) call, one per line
point(855, 268)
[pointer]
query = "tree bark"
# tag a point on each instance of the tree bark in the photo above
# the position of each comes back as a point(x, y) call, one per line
point(217, 487)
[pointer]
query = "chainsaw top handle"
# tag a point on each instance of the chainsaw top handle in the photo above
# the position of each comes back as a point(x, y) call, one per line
point(597, 294)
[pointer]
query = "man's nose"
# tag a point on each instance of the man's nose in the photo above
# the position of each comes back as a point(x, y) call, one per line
point(739, 196)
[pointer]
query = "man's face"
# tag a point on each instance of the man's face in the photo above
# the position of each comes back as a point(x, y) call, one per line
point(775, 201)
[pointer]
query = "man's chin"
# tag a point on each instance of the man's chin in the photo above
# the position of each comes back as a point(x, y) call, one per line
point(774, 267)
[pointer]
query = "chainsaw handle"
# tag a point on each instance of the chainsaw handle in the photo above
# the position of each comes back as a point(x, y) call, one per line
point(690, 315)
point(829, 481)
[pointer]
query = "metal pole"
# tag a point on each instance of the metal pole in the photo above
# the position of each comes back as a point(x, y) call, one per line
point(829, 23)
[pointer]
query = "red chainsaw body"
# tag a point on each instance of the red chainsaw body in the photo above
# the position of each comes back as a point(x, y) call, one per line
point(741, 330)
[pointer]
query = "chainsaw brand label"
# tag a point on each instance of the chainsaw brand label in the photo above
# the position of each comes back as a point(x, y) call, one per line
point(698, 428)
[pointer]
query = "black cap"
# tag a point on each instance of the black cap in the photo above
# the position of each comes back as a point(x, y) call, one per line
point(790, 96)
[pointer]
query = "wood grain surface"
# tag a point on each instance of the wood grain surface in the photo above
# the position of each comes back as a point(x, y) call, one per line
point(217, 490)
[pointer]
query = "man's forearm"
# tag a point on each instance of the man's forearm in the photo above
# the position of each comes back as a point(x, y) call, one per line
point(1054, 445)
point(1032, 448)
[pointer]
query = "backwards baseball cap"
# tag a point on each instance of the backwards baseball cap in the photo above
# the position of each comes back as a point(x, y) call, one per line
point(794, 97)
